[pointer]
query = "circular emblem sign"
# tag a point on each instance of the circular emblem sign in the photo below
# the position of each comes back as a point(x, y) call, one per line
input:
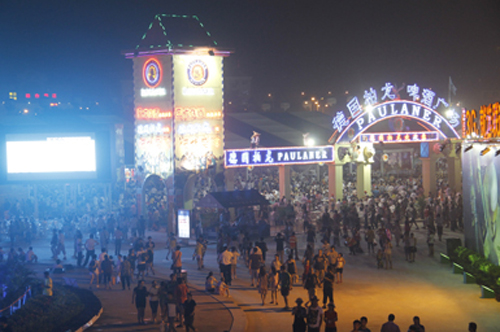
point(151, 73)
point(197, 72)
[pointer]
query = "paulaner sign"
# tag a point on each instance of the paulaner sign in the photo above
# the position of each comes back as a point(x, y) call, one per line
point(400, 108)
point(278, 156)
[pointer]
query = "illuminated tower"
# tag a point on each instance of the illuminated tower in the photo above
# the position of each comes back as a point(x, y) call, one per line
point(178, 94)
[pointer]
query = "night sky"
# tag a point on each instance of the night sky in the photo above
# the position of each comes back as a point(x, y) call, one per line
point(75, 48)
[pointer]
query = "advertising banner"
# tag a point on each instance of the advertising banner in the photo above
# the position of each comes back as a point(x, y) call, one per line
point(153, 115)
point(198, 113)
point(481, 201)
point(184, 224)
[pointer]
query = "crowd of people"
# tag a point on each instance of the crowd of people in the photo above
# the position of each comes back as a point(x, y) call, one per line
point(377, 224)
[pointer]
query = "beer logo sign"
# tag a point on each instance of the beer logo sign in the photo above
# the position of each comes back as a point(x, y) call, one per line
point(197, 72)
point(152, 73)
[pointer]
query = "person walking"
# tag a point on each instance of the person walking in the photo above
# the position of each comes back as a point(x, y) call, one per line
point(153, 300)
point(291, 267)
point(255, 261)
point(47, 284)
point(286, 285)
point(430, 242)
point(180, 295)
point(263, 283)
point(177, 260)
point(225, 259)
point(299, 313)
point(189, 306)
point(328, 286)
point(263, 247)
point(274, 285)
point(125, 273)
point(118, 240)
point(94, 271)
point(139, 296)
point(234, 262)
point(107, 270)
point(331, 318)
point(292, 243)
point(90, 248)
point(340, 267)
point(314, 315)
point(280, 246)
point(390, 326)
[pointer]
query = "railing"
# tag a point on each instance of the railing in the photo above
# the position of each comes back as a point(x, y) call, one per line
point(17, 304)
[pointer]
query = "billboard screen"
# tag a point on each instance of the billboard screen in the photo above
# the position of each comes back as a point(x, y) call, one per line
point(198, 113)
point(50, 156)
point(481, 177)
point(153, 115)
point(184, 227)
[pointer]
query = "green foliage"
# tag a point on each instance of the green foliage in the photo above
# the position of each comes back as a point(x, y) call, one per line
point(46, 313)
point(485, 272)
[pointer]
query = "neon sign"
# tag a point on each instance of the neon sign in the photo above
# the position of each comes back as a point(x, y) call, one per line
point(397, 108)
point(194, 128)
point(198, 91)
point(402, 137)
point(484, 125)
point(197, 72)
point(152, 73)
point(426, 97)
point(278, 156)
point(152, 129)
point(151, 114)
point(157, 92)
point(194, 113)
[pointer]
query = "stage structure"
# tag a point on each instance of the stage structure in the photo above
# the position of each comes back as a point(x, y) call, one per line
point(419, 117)
point(178, 98)
point(481, 177)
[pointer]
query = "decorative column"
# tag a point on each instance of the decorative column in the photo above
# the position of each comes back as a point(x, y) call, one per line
point(336, 180)
point(284, 179)
point(455, 173)
point(429, 175)
point(364, 179)
point(229, 179)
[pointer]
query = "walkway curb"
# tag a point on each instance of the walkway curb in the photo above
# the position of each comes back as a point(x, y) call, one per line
point(239, 323)
point(91, 321)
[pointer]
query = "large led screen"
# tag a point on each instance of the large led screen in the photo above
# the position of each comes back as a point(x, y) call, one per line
point(50, 156)
point(481, 199)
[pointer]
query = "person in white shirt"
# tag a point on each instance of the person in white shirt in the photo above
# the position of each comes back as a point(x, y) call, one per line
point(225, 259)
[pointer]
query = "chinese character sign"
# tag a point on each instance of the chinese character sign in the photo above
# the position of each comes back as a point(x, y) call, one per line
point(278, 156)
point(339, 121)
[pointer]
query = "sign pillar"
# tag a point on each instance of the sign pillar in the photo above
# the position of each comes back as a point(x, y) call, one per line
point(229, 179)
point(284, 178)
point(455, 173)
point(335, 180)
point(429, 175)
point(364, 179)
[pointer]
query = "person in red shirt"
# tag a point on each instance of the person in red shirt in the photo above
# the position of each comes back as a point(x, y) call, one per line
point(331, 318)
point(181, 292)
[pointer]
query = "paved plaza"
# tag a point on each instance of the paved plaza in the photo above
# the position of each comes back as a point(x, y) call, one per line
point(425, 288)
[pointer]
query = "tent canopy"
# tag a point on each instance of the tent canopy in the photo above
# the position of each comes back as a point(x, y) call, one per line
point(229, 199)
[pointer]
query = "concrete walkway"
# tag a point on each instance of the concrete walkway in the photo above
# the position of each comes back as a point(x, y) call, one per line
point(425, 288)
